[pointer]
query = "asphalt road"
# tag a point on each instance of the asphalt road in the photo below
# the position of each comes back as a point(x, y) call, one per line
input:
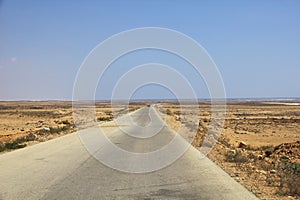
point(63, 168)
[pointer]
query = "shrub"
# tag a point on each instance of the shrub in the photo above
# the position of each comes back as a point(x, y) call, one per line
point(18, 143)
point(2, 146)
point(59, 129)
point(30, 137)
point(236, 157)
point(105, 118)
point(289, 177)
point(14, 145)
point(169, 112)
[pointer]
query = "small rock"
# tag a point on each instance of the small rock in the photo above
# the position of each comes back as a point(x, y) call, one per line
point(273, 171)
point(46, 129)
point(232, 151)
point(66, 122)
point(242, 144)
point(260, 157)
point(268, 153)
point(262, 172)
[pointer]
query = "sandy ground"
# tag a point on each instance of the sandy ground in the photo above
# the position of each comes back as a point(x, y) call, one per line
point(27, 123)
point(259, 143)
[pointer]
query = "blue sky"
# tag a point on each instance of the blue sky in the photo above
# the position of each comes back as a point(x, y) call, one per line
point(255, 44)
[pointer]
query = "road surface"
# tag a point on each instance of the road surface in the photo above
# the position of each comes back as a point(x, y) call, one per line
point(62, 168)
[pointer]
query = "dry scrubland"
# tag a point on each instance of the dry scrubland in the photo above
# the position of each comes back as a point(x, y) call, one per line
point(259, 145)
point(27, 123)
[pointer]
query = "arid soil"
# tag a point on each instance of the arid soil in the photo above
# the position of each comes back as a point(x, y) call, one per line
point(259, 144)
point(27, 123)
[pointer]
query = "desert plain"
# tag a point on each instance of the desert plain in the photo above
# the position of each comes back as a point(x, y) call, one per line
point(258, 144)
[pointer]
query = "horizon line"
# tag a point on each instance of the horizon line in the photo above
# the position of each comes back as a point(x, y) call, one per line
point(163, 99)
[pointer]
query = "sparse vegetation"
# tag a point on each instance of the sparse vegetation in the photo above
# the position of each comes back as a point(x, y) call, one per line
point(169, 112)
point(108, 118)
point(25, 123)
point(21, 142)
point(236, 156)
point(267, 162)
point(57, 130)
point(14, 145)
point(254, 141)
point(2, 146)
point(289, 177)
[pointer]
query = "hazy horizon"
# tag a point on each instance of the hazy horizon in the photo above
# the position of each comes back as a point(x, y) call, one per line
point(200, 99)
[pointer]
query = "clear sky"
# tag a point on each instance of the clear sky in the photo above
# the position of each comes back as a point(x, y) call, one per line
point(255, 44)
